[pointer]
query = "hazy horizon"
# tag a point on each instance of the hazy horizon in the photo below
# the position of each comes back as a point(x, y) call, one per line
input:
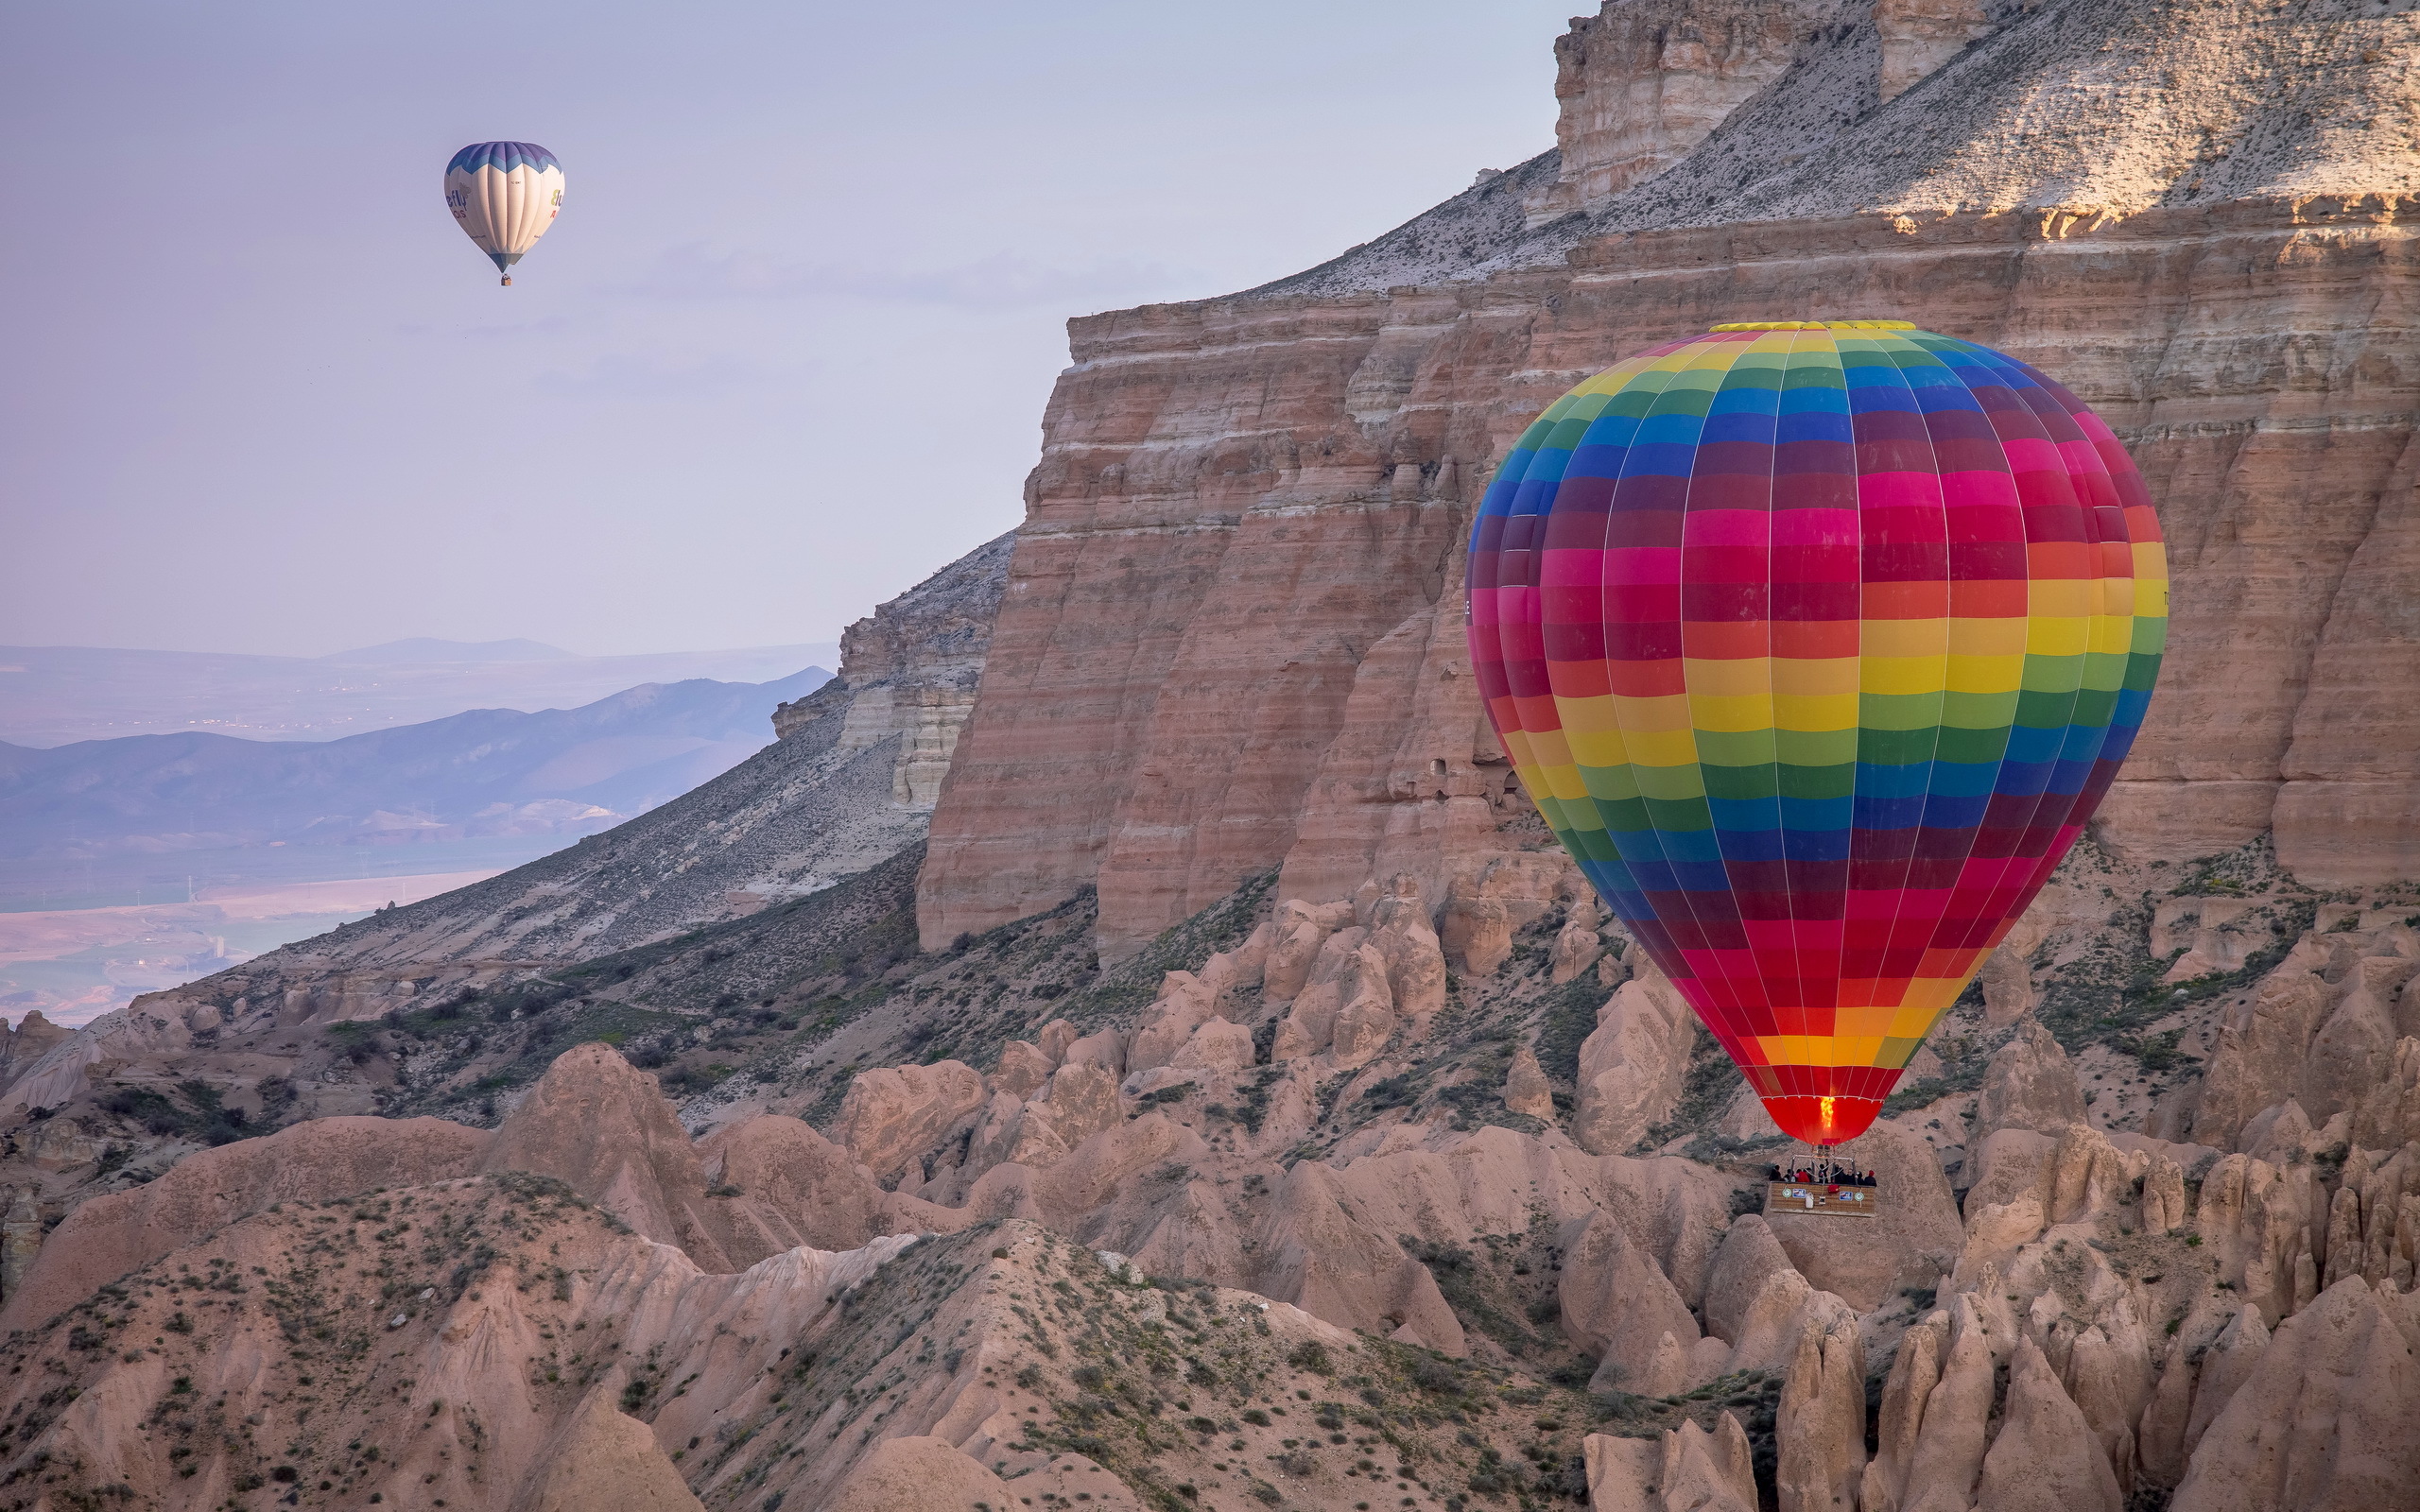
point(785, 353)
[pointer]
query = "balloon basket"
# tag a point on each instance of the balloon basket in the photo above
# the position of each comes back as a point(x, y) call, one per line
point(1822, 1198)
point(1824, 1184)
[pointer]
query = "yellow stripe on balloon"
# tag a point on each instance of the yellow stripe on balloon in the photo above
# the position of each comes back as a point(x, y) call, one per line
point(1731, 716)
point(1985, 674)
point(1728, 677)
point(1902, 674)
point(2062, 635)
point(1815, 715)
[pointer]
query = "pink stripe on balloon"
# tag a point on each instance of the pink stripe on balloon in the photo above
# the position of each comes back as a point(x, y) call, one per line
point(1727, 527)
point(1883, 490)
point(1627, 565)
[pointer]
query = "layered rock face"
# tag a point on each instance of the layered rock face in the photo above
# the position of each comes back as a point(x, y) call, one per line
point(909, 669)
point(1230, 640)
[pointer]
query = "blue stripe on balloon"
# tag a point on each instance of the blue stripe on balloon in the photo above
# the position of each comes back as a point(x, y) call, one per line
point(504, 156)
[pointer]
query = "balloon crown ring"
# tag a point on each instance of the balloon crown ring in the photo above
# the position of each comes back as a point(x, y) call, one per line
point(1816, 325)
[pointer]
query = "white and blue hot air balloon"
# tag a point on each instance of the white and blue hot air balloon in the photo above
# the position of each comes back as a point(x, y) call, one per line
point(505, 194)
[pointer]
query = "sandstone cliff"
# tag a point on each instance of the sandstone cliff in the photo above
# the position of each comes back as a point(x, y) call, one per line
point(1229, 643)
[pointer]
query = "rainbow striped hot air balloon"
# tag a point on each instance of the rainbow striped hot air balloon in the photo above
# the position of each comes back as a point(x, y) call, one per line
point(1816, 643)
point(504, 195)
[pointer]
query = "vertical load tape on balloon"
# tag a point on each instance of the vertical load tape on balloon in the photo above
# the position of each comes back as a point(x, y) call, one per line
point(504, 195)
point(1816, 643)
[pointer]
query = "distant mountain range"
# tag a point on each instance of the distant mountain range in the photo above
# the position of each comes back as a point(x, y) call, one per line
point(55, 695)
point(489, 772)
point(429, 649)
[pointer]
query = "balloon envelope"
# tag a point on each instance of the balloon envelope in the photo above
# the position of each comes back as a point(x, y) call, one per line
point(1817, 644)
point(504, 195)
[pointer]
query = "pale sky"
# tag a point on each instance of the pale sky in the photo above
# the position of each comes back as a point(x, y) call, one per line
point(785, 352)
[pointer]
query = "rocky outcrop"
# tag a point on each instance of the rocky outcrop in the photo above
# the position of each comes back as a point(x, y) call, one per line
point(893, 1115)
point(909, 672)
point(2323, 1420)
point(1641, 84)
point(598, 1124)
point(1618, 1305)
point(1277, 484)
point(1688, 1469)
point(1915, 1369)
point(2044, 1458)
point(1633, 1065)
point(2321, 1029)
point(602, 1457)
point(1526, 1088)
point(916, 1472)
point(311, 1163)
point(1820, 1427)
point(794, 1187)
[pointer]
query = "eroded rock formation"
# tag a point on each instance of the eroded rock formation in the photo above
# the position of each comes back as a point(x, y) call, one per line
point(1278, 483)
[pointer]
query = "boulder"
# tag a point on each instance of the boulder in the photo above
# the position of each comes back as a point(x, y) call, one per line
point(1216, 1045)
point(1081, 1100)
point(2226, 1366)
point(1022, 1070)
point(1297, 932)
point(1399, 932)
point(1750, 1255)
point(2007, 977)
point(2353, 1050)
point(1314, 1252)
point(1053, 1039)
point(1345, 1008)
point(1105, 1048)
point(1623, 1473)
point(1956, 1421)
point(1688, 1470)
point(2160, 1435)
point(1483, 913)
point(1782, 1312)
point(1185, 1002)
point(2108, 1376)
point(795, 1188)
point(1709, 1471)
point(1576, 945)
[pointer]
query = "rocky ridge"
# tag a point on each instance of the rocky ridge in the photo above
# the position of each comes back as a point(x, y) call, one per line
point(849, 782)
point(2083, 1291)
point(2191, 212)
